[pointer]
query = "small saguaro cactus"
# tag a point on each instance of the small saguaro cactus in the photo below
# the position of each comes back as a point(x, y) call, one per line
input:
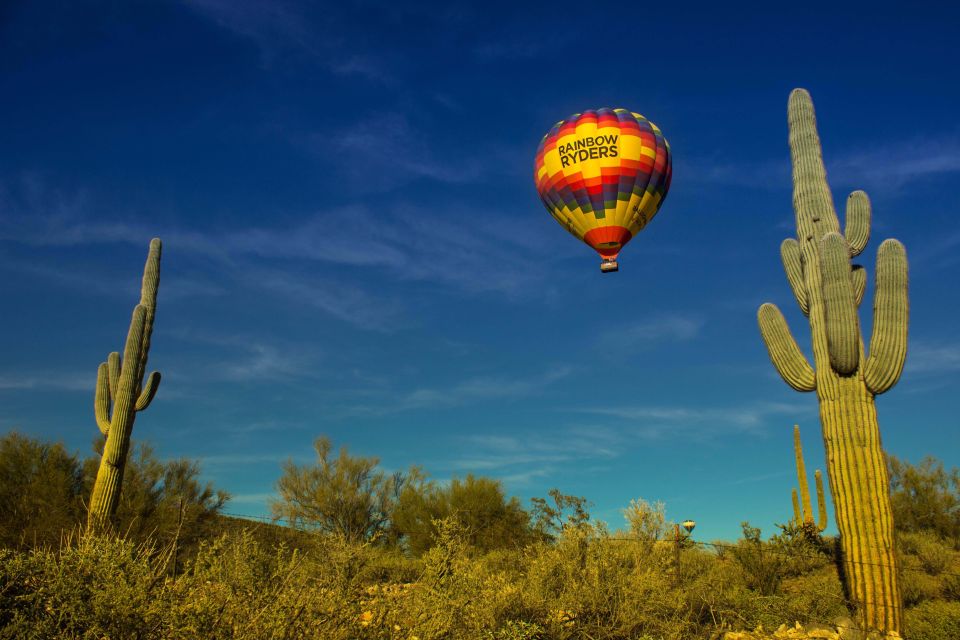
point(121, 393)
point(829, 290)
point(804, 518)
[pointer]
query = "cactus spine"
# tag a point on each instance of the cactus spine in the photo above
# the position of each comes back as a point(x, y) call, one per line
point(121, 393)
point(828, 290)
point(804, 518)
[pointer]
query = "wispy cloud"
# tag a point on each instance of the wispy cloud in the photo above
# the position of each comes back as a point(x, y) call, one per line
point(349, 303)
point(891, 166)
point(927, 357)
point(454, 247)
point(885, 167)
point(272, 24)
point(66, 381)
point(520, 459)
point(279, 28)
point(385, 150)
point(245, 358)
point(649, 333)
point(217, 461)
point(658, 422)
point(175, 285)
point(469, 391)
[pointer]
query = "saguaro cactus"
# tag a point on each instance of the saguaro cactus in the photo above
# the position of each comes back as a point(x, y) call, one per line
point(829, 290)
point(804, 518)
point(121, 393)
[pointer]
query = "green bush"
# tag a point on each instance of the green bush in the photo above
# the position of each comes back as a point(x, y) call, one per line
point(933, 620)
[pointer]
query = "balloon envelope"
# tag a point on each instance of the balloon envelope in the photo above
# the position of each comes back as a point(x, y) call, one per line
point(603, 175)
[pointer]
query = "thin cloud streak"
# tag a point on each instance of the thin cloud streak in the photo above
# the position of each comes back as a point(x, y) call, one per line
point(405, 243)
point(646, 334)
point(893, 166)
point(519, 460)
point(887, 167)
point(49, 381)
point(929, 358)
point(660, 422)
point(246, 359)
point(469, 391)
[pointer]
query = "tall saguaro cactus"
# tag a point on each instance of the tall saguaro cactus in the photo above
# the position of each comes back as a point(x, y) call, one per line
point(121, 393)
point(802, 507)
point(829, 290)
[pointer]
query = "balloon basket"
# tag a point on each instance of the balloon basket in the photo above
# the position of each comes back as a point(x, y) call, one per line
point(609, 265)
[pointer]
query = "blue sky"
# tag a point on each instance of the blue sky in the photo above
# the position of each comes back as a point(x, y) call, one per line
point(353, 245)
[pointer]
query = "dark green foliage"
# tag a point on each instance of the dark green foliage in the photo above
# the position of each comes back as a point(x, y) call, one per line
point(551, 517)
point(489, 519)
point(762, 568)
point(42, 488)
point(933, 620)
point(41, 492)
point(925, 497)
point(346, 495)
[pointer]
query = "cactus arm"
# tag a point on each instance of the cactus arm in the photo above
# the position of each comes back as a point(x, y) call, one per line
point(857, 230)
point(101, 399)
point(793, 266)
point(149, 390)
point(786, 356)
point(148, 299)
point(839, 301)
point(797, 518)
point(812, 200)
point(859, 276)
point(113, 367)
point(821, 503)
point(891, 310)
point(802, 477)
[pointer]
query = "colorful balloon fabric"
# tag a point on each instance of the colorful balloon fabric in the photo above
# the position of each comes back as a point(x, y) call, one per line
point(603, 175)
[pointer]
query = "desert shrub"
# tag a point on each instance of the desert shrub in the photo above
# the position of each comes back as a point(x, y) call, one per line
point(516, 630)
point(951, 586)
point(43, 488)
point(762, 565)
point(237, 589)
point(929, 567)
point(490, 520)
point(342, 495)
point(388, 565)
point(933, 620)
point(93, 587)
point(932, 554)
point(587, 584)
point(445, 600)
point(925, 497)
point(41, 492)
point(816, 597)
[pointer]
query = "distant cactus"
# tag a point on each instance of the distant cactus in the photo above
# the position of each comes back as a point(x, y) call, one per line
point(120, 393)
point(804, 519)
point(829, 290)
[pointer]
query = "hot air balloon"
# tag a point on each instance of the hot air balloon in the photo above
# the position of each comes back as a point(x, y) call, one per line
point(603, 175)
